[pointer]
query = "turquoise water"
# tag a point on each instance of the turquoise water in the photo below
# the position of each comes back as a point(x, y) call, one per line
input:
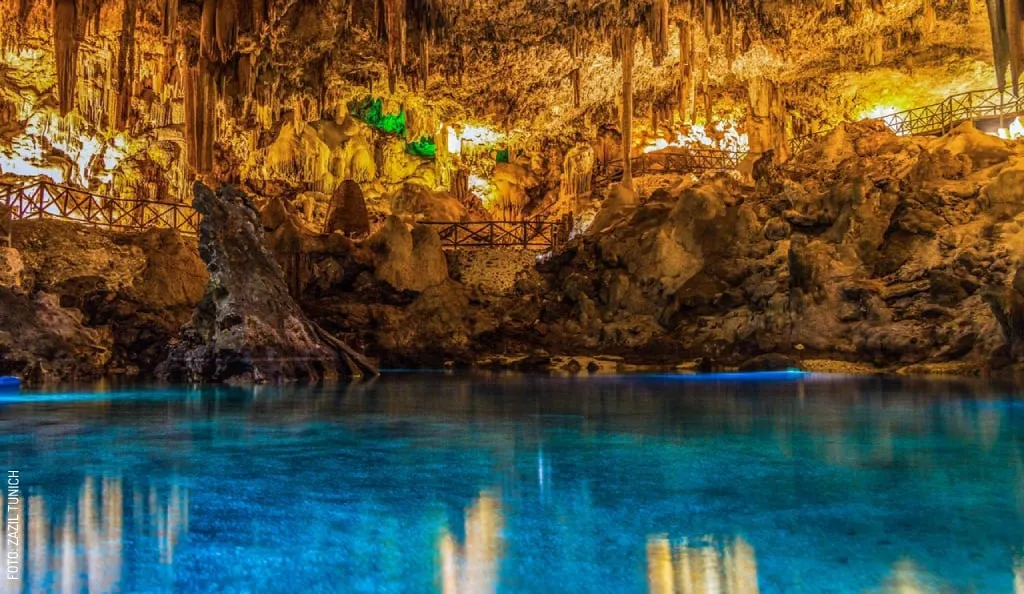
point(436, 483)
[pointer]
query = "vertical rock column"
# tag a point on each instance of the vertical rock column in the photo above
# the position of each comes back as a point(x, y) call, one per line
point(65, 41)
point(126, 65)
point(766, 122)
point(628, 39)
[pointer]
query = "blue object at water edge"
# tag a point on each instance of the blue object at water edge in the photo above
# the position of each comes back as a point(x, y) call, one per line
point(9, 382)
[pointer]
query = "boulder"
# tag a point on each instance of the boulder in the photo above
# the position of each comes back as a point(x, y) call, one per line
point(408, 260)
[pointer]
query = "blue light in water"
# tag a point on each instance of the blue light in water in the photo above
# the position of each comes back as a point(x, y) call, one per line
point(737, 376)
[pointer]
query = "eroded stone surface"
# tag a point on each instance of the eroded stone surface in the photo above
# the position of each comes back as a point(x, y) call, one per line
point(247, 328)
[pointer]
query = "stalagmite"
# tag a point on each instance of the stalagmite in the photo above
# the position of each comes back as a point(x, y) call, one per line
point(65, 25)
point(125, 65)
point(628, 49)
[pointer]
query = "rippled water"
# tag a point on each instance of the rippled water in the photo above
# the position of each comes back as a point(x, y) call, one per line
point(420, 483)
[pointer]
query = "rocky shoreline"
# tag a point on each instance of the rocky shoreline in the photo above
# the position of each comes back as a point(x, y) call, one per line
point(869, 252)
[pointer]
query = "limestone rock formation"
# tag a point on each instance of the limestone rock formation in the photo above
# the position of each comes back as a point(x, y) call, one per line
point(408, 260)
point(248, 328)
point(112, 301)
point(347, 213)
point(11, 268)
point(40, 341)
point(885, 251)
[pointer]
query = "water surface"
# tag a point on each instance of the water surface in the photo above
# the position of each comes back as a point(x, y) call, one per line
point(436, 483)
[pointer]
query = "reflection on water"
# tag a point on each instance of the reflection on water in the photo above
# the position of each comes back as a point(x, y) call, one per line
point(703, 567)
point(466, 485)
point(473, 567)
point(76, 544)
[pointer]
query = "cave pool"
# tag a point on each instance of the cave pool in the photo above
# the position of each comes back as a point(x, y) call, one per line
point(434, 482)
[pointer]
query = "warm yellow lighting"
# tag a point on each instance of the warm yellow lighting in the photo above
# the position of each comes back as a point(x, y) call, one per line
point(877, 112)
point(1015, 131)
point(454, 143)
point(480, 135)
point(723, 136)
point(47, 133)
point(481, 188)
point(883, 113)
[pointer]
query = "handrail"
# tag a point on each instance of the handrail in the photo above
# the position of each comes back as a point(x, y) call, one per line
point(47, 200)
point(529, 234)
point(687, 160)
point(939, 117)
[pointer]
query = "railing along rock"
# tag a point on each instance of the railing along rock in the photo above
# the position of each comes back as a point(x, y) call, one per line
point(46, 200)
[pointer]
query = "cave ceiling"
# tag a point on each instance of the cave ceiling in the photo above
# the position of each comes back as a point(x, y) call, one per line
point(540, 68)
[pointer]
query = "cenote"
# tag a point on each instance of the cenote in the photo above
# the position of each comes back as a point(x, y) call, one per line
point(520, 483)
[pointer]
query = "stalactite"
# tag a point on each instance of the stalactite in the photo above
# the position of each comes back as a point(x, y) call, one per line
point(391, 29)
point(169, 22)
point(707, 18)
point(258, 14)
point(708, 114)
point(246, 78)
point(125, 65)
point(208, 30)
point(628, 48)
point(200, 115)
point(574, 77)
point(226, 28)
point(657, 30)
point(1000, 39)
point(425, 60)
point(701, 83)
point(684, 86)
point(65, 26)
point(730, 44)
point(928, 17)
point(1014, 39)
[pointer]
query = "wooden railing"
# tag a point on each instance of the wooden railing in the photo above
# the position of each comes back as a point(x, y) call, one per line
point(45, 200)
point(940, 117)
point(953, 110)
point(534, 235)
point(686, 160)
